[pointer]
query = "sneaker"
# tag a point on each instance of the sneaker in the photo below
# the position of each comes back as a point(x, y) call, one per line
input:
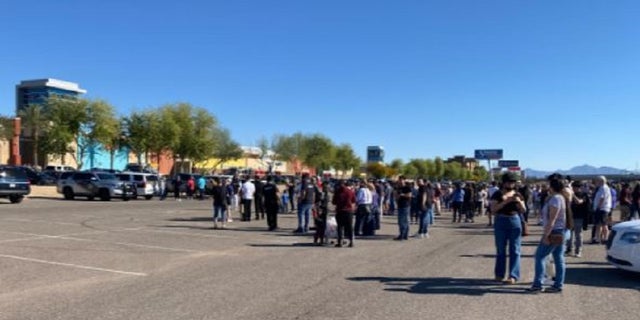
point(534, 289)
point(425, 235)
point(509, 281)
point(552, 290)
point(498, 279)
point(578, 254)
point(215, 225)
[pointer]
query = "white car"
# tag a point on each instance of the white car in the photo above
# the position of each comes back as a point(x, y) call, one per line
point(623, 247)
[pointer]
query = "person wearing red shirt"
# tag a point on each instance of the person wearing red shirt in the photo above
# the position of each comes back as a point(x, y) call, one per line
point(345, 201)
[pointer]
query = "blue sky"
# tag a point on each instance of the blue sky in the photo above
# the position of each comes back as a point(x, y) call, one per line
point(553, 83)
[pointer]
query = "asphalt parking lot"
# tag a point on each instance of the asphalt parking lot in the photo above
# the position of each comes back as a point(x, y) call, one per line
point(162, 260)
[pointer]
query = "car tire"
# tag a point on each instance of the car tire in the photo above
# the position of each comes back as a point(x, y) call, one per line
point(148, 197)
point(105, 195)
point(16, 199)
point(68, 193)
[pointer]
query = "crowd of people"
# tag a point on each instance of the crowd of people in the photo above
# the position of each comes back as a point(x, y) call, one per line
point(564, 208)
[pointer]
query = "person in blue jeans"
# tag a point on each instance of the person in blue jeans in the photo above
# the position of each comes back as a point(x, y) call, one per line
point(507, 205)
point(403, 200)
point(555, 225)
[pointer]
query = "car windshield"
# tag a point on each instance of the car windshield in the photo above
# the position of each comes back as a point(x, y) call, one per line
point(12, 173)
point(106, 176)
point(152, 178)
point(123, 177)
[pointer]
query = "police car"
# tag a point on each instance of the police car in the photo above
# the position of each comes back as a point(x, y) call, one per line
point(623, 246)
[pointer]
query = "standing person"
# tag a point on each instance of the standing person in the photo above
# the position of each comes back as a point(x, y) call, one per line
point(554, 224)
point(376, 212)
point(625, 202)
point(247, 192)
point(232, 193)
point(580, 206)
point(601, 208)
point(403, 200)
point(220, 202)
point(481, 199)
point(191, 187)
point(635, 202)
point(345, 201)
point(363, 211)
point(201, 184)
point(306, 201)
point(271, 203)
point(507, 205)
point(291, 188)
point(469, 203)
point(322, 212)
point(457, 199)
point(258, 199)
point(176, 188)
point(425, 203)
point(437, 201)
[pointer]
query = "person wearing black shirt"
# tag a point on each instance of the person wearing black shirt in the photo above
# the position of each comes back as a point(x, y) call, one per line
point(221, 202)
point(403, 198)
point(580, 206)
point(271, 203)
point(258, 198)
point(507, 205)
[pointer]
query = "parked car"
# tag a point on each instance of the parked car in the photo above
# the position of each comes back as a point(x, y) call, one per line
point(59, 168)
point(623, 246)
point(14, 183)
point(146, 184)
point(95, 184)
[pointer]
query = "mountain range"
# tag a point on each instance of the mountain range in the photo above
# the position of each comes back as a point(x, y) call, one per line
point(579, 171)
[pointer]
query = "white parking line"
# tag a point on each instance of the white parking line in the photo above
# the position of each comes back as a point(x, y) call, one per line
point(70, 237)
point(21, 239)
point(73, 265)
point(42, 221)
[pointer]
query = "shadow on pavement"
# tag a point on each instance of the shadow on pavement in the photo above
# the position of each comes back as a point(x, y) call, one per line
point(193, 219)
point(458, 286)
point(605, 277)
point(292, 245)
point(492, 256)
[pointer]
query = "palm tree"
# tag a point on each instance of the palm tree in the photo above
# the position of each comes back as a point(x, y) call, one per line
point(35, 121)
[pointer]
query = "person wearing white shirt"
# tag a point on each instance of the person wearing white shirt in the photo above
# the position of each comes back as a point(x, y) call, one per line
point(247, 192)
point(364, 199)
point(601, 206)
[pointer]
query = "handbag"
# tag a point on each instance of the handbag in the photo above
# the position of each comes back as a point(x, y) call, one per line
point(556, 239)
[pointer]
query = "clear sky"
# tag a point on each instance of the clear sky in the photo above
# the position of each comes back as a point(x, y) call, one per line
point(554, 83)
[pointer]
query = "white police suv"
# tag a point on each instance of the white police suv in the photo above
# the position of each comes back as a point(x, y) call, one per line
point(623, 246)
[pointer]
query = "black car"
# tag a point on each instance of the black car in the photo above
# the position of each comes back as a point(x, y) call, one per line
point(14, 183)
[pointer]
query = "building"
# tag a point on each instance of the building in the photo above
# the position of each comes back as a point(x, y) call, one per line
point(36, 92)
point(375, 154)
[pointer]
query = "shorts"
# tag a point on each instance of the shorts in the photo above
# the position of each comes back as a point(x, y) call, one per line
point(600, 217)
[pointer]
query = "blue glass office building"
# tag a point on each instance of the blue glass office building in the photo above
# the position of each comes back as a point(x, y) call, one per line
point(32, 92)
point(38, 91)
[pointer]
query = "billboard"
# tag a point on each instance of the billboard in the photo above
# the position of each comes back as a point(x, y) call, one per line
point(488, 154)
point(508, 163)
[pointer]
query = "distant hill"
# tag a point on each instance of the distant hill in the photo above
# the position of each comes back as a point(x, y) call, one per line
point(578, 171)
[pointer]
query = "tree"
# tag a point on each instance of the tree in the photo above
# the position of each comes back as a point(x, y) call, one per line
point(98, 129)
point(438, 168)
point(263, 145)
point(35, 121)
point(345, 158)
point(137, 129)
point(453, 171)
point(419, 168)
point(226, 149)
point(6, 128)
point(116, 141)
point(377, 170)
point(318, 152)
point(397, 165)
point(163, 131)
point(66, 117)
